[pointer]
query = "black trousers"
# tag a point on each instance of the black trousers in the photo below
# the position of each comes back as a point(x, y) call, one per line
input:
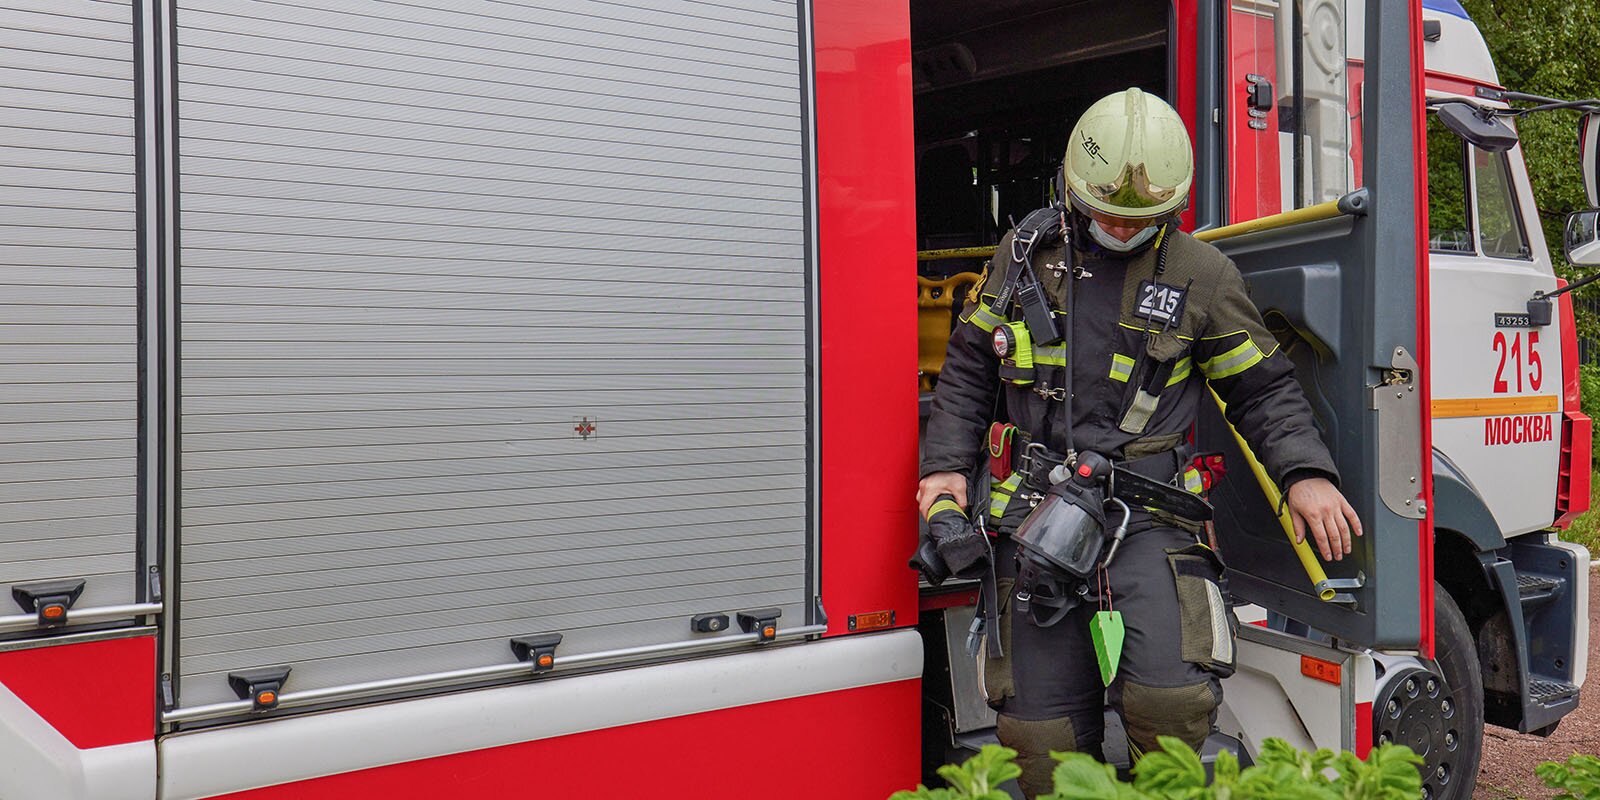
point(1054, 689)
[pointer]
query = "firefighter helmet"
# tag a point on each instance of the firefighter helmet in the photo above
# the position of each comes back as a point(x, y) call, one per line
point(1129, 162)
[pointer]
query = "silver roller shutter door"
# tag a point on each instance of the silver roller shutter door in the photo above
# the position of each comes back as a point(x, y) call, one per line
point(420, 243)
point(68, 298)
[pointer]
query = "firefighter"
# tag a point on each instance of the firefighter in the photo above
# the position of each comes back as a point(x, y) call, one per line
point(1147, 317)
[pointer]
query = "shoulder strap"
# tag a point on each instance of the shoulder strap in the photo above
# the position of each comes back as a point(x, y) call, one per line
point(1041, 224)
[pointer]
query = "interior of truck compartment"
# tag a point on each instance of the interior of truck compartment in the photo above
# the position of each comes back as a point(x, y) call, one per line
point(997, 86)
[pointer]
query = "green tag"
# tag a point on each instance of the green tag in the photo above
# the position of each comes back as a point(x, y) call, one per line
point(1107, 631)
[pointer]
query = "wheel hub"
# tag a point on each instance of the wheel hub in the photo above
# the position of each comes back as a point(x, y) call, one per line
point(1415, 707)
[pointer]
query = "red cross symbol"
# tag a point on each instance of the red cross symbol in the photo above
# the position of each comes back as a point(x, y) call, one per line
point(584, 428)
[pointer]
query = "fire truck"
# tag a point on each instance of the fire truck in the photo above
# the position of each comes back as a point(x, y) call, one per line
point(515, 398)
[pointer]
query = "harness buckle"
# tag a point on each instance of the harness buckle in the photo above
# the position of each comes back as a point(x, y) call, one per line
point(1022, 242)
point(1058, 393)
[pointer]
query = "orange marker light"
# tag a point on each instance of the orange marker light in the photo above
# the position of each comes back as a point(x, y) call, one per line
point(769, 632)
point(546, 660)
point(54, 612)
point(872, 621)
point(267, 698)
point(1318, 669)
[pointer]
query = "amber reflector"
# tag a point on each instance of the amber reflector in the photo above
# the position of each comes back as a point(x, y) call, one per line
point(545, 661)
point(1316, 668)
point(267, 698)
point(873, 621)
point(55, 612)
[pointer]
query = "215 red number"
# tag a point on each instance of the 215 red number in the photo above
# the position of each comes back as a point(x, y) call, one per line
point(1512, 350)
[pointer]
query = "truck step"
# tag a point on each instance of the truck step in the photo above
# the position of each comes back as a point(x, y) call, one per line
point(1535, 589)
point(1546, 691)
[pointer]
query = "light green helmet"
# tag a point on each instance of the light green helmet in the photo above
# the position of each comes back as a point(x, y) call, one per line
point(1129, 161)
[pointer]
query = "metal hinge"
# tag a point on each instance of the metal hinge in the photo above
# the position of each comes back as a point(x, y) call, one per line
point(1399, 408)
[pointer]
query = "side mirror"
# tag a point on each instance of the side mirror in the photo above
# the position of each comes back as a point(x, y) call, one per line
point(1583, 238)
point(1487, 133)
point(1589, 156)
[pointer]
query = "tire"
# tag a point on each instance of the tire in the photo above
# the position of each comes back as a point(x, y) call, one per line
point(1456, 660)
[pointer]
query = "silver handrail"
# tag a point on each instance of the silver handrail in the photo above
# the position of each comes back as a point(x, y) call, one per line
point(471, 674)
point(78, 615)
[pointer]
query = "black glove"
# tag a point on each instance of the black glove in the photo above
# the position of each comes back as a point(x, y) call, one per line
point(963, 549)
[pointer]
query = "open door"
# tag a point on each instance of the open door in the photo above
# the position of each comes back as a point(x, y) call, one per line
point(1343, 284)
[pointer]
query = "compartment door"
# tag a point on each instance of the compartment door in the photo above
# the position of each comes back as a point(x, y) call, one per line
point(1347, 297)
point(69, 326)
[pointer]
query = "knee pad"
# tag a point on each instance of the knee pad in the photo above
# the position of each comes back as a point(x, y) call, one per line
point(1182, 711)
point(1033, 740)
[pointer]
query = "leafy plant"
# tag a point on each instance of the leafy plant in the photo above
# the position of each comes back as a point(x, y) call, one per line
point(1578, 778)
point(1175, 773)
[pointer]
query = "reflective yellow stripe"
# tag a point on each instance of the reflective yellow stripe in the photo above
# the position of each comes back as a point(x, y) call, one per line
point(1000, 495)
point(1180, 373)
point(985, 318)
point(1232, 362)
point(1191, 480)
point(945, 505)
point(1121, 367)
point(1054, 355)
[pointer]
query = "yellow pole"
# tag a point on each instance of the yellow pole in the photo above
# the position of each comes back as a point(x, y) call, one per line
point(1320, 211)
point(1302, 549)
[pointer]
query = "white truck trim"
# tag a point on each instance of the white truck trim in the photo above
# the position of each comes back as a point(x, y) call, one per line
point(42, 764)
point(206, 763)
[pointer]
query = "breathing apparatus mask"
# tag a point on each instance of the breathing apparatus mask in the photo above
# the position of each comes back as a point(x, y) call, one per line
point(1060, 543)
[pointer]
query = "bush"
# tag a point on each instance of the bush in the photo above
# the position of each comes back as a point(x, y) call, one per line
point(1578, 778)
point(1175, 773)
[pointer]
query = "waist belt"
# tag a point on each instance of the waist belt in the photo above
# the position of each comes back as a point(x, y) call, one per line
point(1147, 481)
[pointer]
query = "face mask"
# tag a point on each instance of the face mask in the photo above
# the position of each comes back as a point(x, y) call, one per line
point(1112, 243)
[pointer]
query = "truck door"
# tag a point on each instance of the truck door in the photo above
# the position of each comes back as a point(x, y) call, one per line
point(1343, 285)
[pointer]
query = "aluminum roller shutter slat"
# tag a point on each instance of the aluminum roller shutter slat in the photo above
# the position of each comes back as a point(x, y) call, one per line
point(416, 247)
point(30, 178)
point(61, 315)
point(14, 196)
point(493, 334)
point(110, 525)
point(507, 213)
point(244, 54)
point(223, 193)
point(52, 120)
point(536, 42)
point(640, 233)
point(533, 513)
point(13, 475)
point(487, 466)
point(74, 546)
point(299, 421)
point(718, 432)
point(290, 511)
point(217, 618)
point(68, 411)
point(619, 17)
point(87, 506)
point(575, 564)
point(12, 58)
point(333, 637)
point(396, 368)
point(70, 489)
point(498, 285)
point(58, 19)
point(72, 388)
point(750, 520)
point(354, 490)
point(65, 334)
point(46, 435)
point(648, 99)
point(34, 41)
point(118, 143)
point(30, 452)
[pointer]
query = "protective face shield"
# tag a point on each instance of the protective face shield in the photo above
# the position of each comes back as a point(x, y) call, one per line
point(1059, 544)
point(1129, 162)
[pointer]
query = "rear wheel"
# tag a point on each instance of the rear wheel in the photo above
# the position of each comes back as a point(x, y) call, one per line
point(1435, 707)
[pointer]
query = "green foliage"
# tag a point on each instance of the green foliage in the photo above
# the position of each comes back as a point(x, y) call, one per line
point(1547, 47)
point(978, 779)
point(1578, 778)
point(1175, 773)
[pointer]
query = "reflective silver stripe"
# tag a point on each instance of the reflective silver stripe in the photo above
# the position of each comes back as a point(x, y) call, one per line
point(1054, 355)
point(1121, 367)
point(1221, 638)
point(1180, 373)
point(985, 318)
point(1000, 495)
point(1232, 362)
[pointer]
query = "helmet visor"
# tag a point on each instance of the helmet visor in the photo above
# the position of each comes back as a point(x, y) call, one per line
point(1119, 220)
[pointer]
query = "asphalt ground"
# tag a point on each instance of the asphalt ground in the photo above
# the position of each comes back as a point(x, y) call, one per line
point(1509, 757)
